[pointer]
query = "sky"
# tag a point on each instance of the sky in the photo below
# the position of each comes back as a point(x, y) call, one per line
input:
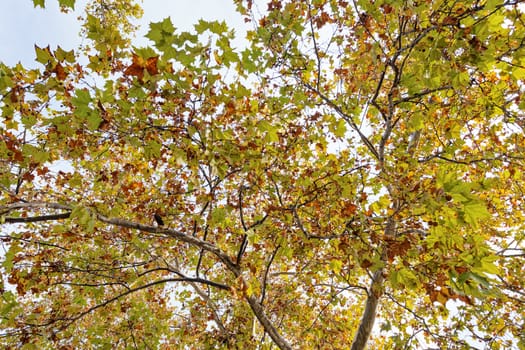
point(22, 26)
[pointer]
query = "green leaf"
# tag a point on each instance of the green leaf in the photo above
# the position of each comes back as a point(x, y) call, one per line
point(404, 278)
point(82, 97)
point(201, 26)
point(93, 121)
point(35, 153)
point(84, 217)
point(340, 129)
point(460, 79)
point(229, 56)
point(154, 34)
point(491, 4)
point(62, 55)
point(215, 27)
point(9, 256)
point(82, 101)
point(67, 3)
point(474, 212)
point(152, 149)
point(495, 21)
point(43, 55)
point(415, 122)
point(487, 266)
point(218, 215)
point(161, 33)
point(518, 73)
point(41, 3)
point(248, 62)
point(336, 265)
point(271, 131)
point(29, 120)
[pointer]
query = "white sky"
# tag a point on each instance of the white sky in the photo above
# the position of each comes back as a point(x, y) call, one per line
point(22, 26)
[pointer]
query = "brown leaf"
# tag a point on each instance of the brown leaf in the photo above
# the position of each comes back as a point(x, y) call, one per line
point(387, 8)
point(450, 20)
point(60, 72)
point(14, 95)
point(349, 209)
point(138, 66)
point(151, 65)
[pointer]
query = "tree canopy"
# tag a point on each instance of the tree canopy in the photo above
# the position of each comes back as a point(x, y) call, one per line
point(352, 176)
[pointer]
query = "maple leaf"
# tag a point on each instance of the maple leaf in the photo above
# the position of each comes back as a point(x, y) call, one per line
point(301, 209)
point(60, 72)
point(140, 64)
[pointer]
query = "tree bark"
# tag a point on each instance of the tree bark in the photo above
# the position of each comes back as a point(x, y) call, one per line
point(374, 294)
point(267, 324)
point(369, 315)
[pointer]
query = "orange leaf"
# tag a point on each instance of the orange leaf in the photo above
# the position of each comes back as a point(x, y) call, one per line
point(16, 92)
point(139, 64)
point(450, 20)
point(136, 68)
point(349, 209)
point(60, 72)
point(151, 65)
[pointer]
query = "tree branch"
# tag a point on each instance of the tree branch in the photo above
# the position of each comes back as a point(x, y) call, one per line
point(374, 294)
point(369, 315)
point(345, 117)
point(117, 297)
point(265, 278)
point(222, 256)
point(13, 220)
point(267, 323)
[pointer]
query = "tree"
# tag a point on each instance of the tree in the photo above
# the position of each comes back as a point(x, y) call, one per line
point(355, 161)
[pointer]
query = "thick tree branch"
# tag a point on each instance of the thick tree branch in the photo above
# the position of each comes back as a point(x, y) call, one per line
point(244, 242)
point(267, 323)
point(369, 315)
point(375, 292)
point(33, 205)
point(4, 209)
point(174, 234)
point(13, 220)
point(222, 256)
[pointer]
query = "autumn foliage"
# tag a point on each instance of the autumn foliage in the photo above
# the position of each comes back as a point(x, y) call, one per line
point(353, 176)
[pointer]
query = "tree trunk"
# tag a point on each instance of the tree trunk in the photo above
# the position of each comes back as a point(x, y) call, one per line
point(374, 294)
point(369, 315)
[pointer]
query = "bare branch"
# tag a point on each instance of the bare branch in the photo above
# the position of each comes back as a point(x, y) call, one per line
point(265, 278)
point(13, 220)
point(316, 48)
point(345, 117)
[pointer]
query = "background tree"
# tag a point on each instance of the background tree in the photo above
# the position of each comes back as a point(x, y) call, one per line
point(357, 160)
